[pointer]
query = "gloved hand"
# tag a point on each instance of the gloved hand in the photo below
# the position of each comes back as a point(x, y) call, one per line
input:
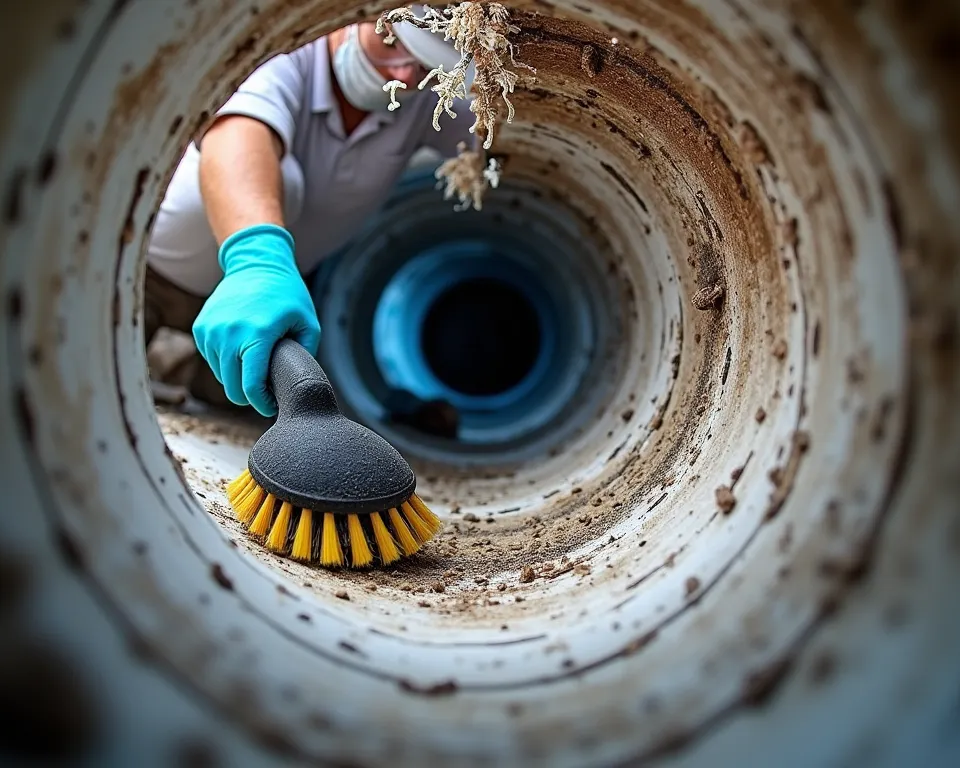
point(260, 299)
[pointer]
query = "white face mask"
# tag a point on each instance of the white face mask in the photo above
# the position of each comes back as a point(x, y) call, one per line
point(361, 83)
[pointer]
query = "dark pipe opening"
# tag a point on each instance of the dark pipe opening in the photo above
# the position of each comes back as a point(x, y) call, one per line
point(481, 337)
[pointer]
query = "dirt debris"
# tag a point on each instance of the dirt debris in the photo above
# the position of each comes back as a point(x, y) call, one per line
point(590, 61)
point(641, 642)
point(440, 689)
point(789, 233)
point(726, 501)
point(242, 430)
point(707, 298)
point(786, 539)
point(754, 148)
point(784, 477)
point(221, 577)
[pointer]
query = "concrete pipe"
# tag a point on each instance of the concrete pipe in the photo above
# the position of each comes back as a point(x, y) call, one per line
point(738, 543)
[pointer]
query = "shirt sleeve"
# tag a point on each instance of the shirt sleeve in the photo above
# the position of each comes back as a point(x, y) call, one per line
point(452, 131)
point(274, 93)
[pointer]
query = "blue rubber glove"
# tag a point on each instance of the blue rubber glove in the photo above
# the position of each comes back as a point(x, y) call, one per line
point(261, 299)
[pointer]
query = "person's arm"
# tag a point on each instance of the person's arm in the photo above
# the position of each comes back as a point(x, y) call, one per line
point(240, 178)
point(262, 297)
point(240, 153)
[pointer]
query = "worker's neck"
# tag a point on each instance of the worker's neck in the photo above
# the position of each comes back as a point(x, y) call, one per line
point(349, 114)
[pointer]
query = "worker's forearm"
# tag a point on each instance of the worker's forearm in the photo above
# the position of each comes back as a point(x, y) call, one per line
point(240, 177)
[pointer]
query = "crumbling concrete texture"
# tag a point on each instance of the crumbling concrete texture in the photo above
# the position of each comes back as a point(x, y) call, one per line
point(764, 549)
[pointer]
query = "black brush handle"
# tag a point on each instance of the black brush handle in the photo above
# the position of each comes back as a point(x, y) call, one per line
point(299, 383)
point(315, 457)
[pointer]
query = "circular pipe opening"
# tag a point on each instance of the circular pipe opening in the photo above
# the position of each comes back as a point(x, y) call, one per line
point(376, 296)
point(481, 337)
point(465, 323)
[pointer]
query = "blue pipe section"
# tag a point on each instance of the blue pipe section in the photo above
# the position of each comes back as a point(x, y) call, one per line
point(408, 297)
point(376, 294)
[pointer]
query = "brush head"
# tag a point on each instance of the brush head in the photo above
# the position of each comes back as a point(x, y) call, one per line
point(315, 457)
point(320, 487)
point(330, 464)
point(335, 541)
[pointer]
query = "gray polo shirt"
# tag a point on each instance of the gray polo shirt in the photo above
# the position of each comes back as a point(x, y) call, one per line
point(332, 182)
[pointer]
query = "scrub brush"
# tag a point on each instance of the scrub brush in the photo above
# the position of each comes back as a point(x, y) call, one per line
point(321, 487)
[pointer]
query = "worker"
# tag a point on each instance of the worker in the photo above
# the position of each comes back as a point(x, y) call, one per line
point(287, 172)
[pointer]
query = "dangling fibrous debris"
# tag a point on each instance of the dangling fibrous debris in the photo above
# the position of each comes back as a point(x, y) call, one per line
point(467, 177)
point(479, 33)
point(392, 87)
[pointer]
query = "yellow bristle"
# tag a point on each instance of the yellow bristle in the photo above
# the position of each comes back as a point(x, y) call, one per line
point(409, 544)
point(303, 540)
point(261, 523)
point(247, 507)
point(277, 540)
point(385, 543)
point(330, 551)
point(237, 484)
point(237, 494)
point(420, 529)
point(248, 488)
point(429, 519)
point(360, 553)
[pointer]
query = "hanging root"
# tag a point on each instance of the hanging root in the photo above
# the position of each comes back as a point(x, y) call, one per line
point(479, 33)
point(392, 87)
point(466, 177)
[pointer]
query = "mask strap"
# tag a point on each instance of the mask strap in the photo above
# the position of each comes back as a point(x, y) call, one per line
point(361, 54)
